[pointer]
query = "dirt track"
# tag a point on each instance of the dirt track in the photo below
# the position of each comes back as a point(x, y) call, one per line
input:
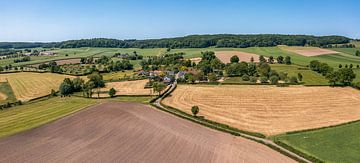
point(127, 132)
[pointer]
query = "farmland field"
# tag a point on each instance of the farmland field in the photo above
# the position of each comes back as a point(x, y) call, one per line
point(28, 85)
point(308, 51)
point(83, 52)
point(136, 87)
point(225, 56)
point(309, 77)
point(117, 75)
point(6, 93)
point(268, 109)
point(332, 59)
point(24, 117)
point(335, 144)
point(130, 132)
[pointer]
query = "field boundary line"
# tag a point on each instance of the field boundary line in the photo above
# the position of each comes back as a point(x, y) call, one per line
point(157, 103)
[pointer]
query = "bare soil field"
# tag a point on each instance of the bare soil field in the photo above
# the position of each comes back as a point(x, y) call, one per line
point(268, 109)
point(225, 56)
point(308, 51)
point(29, 85)
point(129, 132)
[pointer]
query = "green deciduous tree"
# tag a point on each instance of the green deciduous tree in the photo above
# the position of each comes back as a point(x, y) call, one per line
point(112, 92)
point(262, 59)
point(280, 59)
point(234, 59)
point(288, 60)
point(274, 79)
point(300, 76)
point(195, 110)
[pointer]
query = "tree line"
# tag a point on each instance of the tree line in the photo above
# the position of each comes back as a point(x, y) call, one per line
point(343, 76)
point(193, 41)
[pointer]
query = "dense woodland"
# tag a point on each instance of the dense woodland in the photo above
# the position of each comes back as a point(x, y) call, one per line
point(192, 41)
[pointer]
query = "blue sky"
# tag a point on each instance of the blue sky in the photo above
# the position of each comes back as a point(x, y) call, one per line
point(57, 20)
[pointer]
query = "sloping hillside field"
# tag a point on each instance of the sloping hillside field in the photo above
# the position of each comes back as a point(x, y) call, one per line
point(308, 51)
point(268, 109)
point(129, 132)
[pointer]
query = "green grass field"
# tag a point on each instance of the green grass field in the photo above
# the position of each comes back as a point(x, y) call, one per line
point(37, 113)
point(24, 117)
point(335, 144)
point(6, 90)
point(309, 77)
point(117, 75)
point(84, 52)
point(351, 51)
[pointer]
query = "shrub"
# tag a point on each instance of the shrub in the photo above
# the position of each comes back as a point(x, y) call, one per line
point(253, 79)
point(300, 77)
point(274, 79)
point(112, 92)
point(245, 78)
point(53, 93)
point(195, 110)
point(263, 79)
point(293, 80)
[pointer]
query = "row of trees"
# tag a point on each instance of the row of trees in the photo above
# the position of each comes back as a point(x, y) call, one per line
point(24, 59)
point(69, 86)
point(339, 46)
point(345, 76)
point(133, 56)
point(170, 61)
point(262, 59)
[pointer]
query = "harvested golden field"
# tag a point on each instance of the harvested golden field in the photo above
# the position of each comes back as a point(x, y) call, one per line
point(268, 109)
point(29, 85)
point(307, 51)
point(3, 96)
point(136, 87)
point(225, 56)
point(195, 60)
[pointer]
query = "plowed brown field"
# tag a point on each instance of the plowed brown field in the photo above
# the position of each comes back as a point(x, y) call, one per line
point(268, 109)
point(129, 132)
point(225, 56)
point(308, 51)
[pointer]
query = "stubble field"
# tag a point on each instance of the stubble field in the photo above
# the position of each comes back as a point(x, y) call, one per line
point(28, 85)
point(268, 109)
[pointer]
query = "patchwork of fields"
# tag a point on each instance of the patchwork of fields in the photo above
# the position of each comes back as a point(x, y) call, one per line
point(268, 109)
point(129, 132)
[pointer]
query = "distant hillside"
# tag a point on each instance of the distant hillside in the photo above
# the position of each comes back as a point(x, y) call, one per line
point(193, 41)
